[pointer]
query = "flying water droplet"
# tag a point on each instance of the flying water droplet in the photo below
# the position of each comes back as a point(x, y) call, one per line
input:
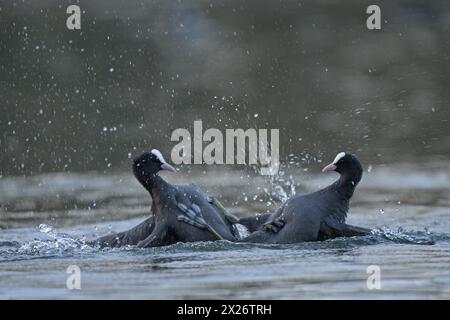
point(45, 228)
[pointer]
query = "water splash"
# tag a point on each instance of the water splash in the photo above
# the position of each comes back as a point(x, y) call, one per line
point(282, 187)
point(59, 244)
point(280, 193)
point(242, 231)
point(402, 236)
point(63, 245)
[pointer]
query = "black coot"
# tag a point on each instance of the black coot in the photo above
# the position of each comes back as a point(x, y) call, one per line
point(319, 215)
point(180, 213)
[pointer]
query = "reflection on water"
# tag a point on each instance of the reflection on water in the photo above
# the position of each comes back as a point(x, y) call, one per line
point(47, 218)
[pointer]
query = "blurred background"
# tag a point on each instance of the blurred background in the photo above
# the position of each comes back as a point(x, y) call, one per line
point(87, 99)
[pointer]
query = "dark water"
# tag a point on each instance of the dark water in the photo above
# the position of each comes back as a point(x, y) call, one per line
point(138, 70)
point(45, 220)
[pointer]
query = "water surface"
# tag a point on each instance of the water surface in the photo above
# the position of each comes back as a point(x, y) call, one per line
point(45, 220)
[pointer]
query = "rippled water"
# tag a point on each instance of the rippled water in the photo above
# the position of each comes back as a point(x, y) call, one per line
point(46, 219)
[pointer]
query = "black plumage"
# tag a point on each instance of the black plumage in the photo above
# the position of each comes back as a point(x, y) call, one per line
point(179, 213)
point(319, 215)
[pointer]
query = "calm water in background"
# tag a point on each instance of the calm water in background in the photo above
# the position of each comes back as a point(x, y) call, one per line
point(81, 101)
point(33, 260)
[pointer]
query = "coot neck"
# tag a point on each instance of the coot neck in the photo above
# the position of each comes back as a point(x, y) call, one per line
point(347, 183)
point(153, 184)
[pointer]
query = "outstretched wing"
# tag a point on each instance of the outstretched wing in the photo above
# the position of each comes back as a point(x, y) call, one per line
point(332, 228)
point(162, 235)
point(129, 237)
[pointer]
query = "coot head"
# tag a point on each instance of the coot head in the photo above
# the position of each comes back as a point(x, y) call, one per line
point(347, 165)
point(150, 163)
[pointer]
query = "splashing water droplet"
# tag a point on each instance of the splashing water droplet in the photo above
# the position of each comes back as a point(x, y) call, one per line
point(280, 193)
point(45, 228)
